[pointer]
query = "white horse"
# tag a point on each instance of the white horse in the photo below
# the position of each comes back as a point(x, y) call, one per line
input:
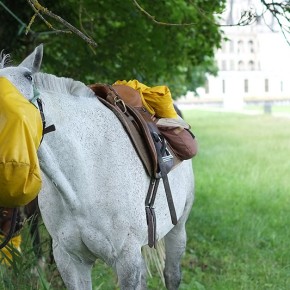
point(94, 185)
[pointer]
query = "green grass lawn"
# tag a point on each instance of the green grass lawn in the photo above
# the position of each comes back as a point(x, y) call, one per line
point(238, 230)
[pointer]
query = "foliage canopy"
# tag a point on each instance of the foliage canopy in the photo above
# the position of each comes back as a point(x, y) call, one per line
point(130, 44)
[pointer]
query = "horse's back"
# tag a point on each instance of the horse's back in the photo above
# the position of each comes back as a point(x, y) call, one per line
point(99, 182)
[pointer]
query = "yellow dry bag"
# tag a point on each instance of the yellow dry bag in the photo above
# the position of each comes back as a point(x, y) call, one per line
point(20, 137)
point(157, 100)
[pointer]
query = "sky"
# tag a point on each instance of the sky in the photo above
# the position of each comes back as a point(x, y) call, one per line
point(274, 48)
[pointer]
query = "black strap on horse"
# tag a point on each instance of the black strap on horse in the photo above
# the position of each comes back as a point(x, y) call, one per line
point(45, 129)
point(160, 145)
point(9, 236)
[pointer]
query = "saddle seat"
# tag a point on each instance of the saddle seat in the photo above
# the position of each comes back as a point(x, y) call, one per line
point(140, 125)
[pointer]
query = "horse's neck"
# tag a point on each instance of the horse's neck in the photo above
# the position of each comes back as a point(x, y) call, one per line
point(87, 135)
point(80, 119)
point(62, 85)
point(66, 99)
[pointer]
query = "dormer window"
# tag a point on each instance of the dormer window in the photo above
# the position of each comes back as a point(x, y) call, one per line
point(251, 65)
point(240, 46)
point(241, 65)
point(251, 46)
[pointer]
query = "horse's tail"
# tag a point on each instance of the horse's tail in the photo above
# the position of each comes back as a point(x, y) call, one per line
point(155, 258)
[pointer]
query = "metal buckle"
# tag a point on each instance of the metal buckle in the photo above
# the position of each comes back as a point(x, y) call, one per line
point(118, 100)
point(168, 156)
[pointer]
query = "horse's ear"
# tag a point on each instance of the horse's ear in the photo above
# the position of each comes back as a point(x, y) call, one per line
point(33, 61)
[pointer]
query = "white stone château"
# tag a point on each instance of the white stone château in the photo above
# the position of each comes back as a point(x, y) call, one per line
point(254, 63)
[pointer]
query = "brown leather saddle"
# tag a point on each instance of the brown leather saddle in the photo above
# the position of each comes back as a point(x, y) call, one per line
point(154, 151)
point(126, 103)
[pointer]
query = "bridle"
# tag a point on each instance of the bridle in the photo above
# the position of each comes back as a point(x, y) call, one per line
point(39, 106)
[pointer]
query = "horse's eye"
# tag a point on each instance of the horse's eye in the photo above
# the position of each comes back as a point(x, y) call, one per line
point(28, 76)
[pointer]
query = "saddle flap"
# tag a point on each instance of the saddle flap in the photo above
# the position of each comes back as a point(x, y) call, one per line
point(135, 120)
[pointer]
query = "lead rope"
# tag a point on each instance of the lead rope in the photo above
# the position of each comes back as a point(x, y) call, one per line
point(11, 230)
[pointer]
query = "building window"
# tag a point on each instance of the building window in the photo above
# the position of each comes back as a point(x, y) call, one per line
point(224, 86)
point(224, 47)
point(241, 65)
point(232, 46)
point(246, 86)
point(251, 46)
point(232, 65)
point(266, 85)
point(240, 46)
point(206, 86)
point(224, 65)
point(251, 65)
point(281, 86)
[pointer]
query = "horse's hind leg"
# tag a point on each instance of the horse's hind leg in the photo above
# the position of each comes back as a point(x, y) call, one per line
point(175, 244)
point(131, 269)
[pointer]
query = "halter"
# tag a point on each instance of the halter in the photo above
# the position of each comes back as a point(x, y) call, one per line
point(39, 106)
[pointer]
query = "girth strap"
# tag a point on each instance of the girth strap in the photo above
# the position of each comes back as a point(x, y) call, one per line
point(160, 145)
point(150, 213)
point(167, 189)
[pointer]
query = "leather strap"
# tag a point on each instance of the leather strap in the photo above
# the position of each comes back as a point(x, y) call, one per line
point(11, 230)
point(150, 212)
point(160, 146)
point(45, 129)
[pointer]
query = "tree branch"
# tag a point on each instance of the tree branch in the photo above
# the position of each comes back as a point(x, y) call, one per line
point(159, 22)
point(39, 10)
point(280, 11)
point(247, 18)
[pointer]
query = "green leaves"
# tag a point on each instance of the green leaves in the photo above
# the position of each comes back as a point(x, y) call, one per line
point(130, 42)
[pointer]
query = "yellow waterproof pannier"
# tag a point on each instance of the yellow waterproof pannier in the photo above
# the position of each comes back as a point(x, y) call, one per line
point(20, 137)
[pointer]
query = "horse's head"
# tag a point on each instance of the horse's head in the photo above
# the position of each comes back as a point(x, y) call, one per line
point(21, 76)
point(21, 129)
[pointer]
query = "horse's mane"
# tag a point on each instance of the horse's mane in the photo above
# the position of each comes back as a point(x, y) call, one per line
point(4, 59)
point(61, 85)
